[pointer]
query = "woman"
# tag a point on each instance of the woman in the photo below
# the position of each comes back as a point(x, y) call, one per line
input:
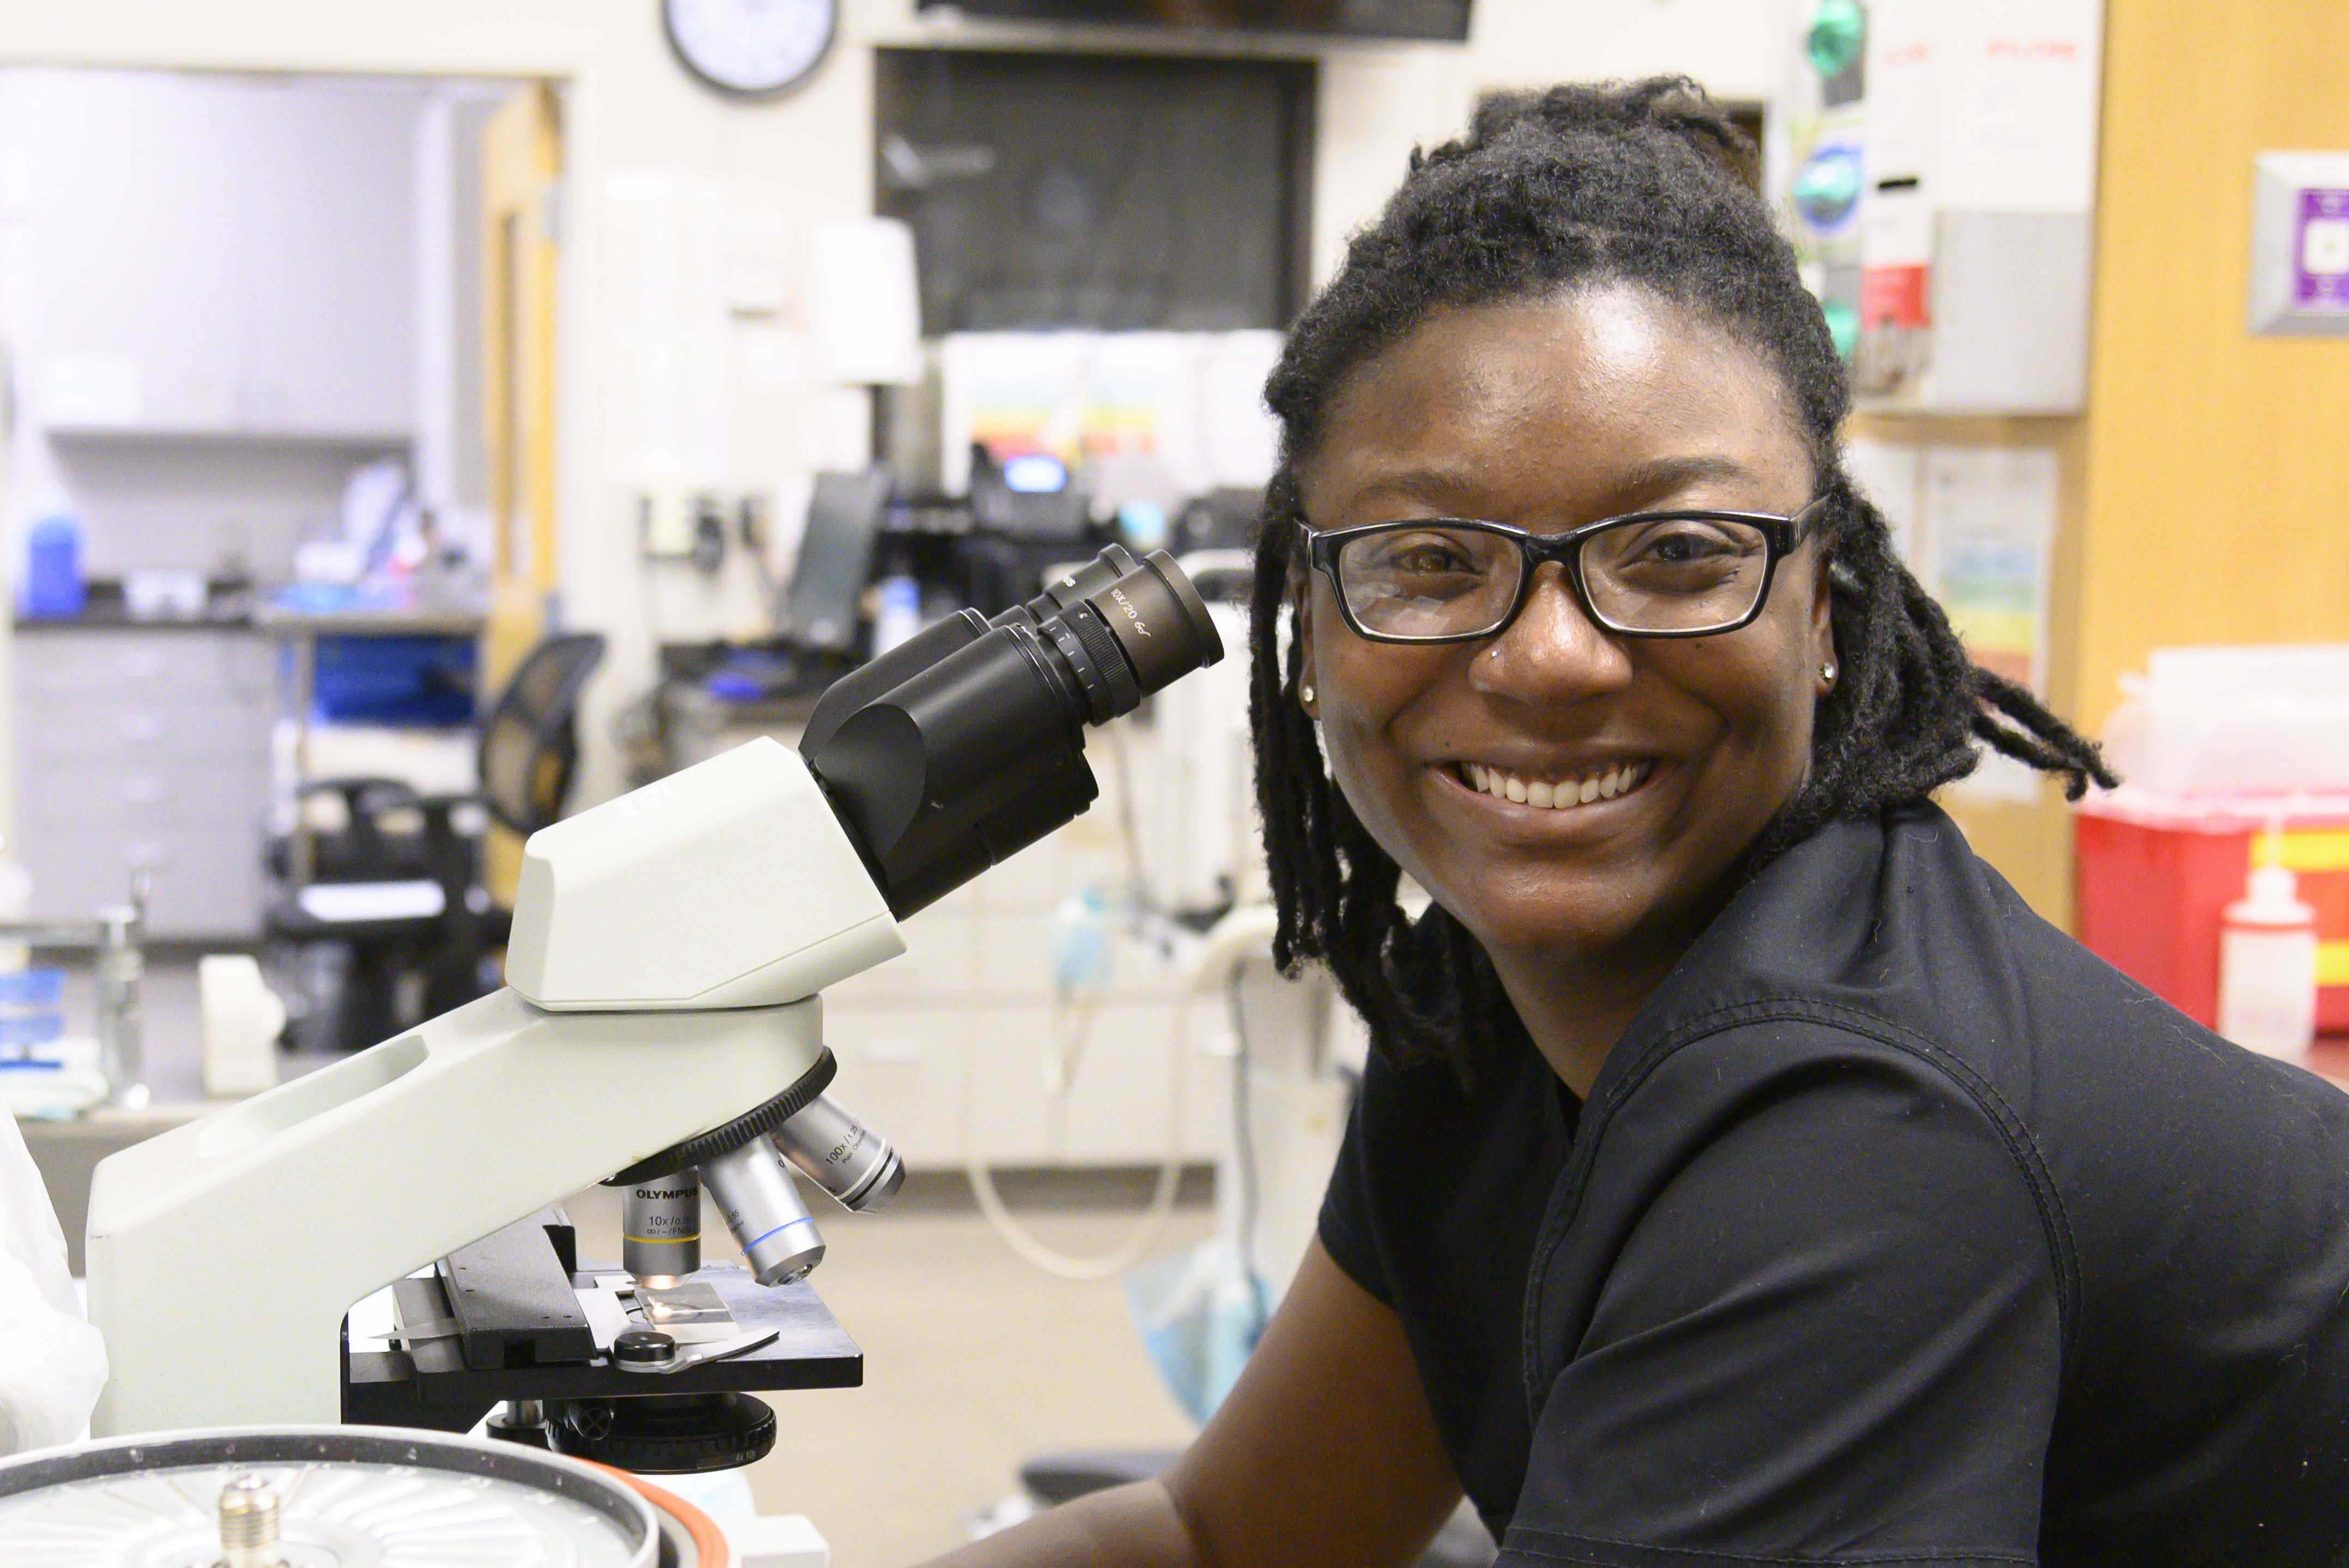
point(1742, 1175)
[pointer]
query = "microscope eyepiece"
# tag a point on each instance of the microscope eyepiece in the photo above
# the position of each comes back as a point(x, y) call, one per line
point(979, 751)
point(1161, 624)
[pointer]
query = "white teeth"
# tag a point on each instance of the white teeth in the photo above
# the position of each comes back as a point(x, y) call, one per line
point(1560, 795)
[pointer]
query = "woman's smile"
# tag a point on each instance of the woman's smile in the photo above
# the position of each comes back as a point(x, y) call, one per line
point(1552, 807)
point(1555, 789)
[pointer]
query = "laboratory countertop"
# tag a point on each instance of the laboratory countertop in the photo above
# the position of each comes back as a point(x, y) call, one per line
point(332, 623)
point(275, 622)
point(117, 619)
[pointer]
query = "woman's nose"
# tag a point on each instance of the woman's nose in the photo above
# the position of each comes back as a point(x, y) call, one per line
point(1551, 654)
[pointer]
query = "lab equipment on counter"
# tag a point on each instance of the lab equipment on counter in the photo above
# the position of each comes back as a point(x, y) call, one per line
point(112, 938)
point(165, 594)
point(54, 588)
point(241, 1019)
point(661, 1015)
point(2216, 746)
point(262, 1498)
point(2267, 963)
point(819, 611)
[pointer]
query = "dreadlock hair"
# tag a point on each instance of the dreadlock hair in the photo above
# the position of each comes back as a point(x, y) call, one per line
point(1642, 184)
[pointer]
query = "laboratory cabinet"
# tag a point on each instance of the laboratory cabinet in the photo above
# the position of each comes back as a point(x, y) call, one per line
point(147, 748)
point(216, 257)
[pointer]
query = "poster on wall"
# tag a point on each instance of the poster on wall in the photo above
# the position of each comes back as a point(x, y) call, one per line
point(1988, 521)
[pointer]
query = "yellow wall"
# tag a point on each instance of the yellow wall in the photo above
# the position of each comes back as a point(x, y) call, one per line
point(2218, 462)
point(2206, 490)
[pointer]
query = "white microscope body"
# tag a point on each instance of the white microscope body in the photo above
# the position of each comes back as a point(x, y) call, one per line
point(668, 948)
point(667, 951)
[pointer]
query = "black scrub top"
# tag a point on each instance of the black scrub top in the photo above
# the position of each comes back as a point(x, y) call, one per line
point(1898, 1229)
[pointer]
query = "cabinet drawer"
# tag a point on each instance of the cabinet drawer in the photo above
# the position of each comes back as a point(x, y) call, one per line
point(145, 799)
point(78, 665)
point(202, 884)
point(153, 736)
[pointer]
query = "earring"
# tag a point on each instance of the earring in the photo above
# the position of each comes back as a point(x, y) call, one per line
point(1305, 696)
point(1827, 672)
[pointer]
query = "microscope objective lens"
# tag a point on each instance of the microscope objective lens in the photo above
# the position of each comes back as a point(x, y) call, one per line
point(660, 1228)
point(762, 1208)
point(839, 1153)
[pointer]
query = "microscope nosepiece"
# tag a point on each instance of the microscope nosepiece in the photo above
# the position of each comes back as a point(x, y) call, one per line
point(754, 1192)
point(839, 1153)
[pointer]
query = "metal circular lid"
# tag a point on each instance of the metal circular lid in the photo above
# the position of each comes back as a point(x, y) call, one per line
point(345, 1497)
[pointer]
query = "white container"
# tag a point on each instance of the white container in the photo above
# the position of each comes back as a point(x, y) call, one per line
point(243, 1018)
point(163, 594)
point(2267, 968)
point(2265, 720)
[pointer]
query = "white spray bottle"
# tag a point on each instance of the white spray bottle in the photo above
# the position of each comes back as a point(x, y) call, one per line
point(2267, 960)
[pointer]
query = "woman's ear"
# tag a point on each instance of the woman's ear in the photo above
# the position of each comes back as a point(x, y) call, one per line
point(1829, 667)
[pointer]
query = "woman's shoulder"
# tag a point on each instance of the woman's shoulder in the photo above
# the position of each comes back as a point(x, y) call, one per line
point(1893, 927)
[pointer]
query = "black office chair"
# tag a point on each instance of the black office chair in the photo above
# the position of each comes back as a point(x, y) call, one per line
point(395, 925)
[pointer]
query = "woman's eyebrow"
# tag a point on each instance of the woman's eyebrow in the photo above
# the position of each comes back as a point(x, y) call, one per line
point(1636, 486)
point(1663, 475)
point(1434, 487)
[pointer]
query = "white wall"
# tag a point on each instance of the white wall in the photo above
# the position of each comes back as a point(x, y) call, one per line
point(1737, 48)
point(628, 108)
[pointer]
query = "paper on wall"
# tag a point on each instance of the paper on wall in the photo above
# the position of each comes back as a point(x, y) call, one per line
point(1989, 521)
point(863, 310)
point(670, 415)
point(1891, 474)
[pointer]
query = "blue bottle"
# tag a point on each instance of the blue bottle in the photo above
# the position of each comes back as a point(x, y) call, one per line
point(53, 584)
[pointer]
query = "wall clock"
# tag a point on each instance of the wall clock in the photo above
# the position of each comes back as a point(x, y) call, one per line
point(750, 49)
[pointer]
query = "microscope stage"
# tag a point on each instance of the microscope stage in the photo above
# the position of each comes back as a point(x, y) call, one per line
point(510, 1318)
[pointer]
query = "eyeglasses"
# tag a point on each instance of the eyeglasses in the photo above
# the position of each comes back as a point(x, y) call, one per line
point(1646, 574)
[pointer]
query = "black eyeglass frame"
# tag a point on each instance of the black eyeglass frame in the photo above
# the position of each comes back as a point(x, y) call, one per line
point(1781, 537)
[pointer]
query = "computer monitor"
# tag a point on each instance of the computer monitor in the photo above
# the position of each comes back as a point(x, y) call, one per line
point(843, 520)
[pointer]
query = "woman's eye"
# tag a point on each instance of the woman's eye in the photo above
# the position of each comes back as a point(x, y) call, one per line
point(1422, 553)
point(1684, 546)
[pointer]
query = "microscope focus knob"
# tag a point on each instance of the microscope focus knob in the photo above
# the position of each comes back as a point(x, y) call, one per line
point(640, 1347)
point(667, 1434)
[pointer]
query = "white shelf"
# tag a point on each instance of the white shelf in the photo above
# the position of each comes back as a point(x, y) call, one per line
point(159, 435)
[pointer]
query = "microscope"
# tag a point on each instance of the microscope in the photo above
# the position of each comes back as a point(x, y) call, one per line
point(661, 1029)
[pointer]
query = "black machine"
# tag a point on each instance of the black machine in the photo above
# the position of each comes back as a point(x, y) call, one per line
point(403, 924)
